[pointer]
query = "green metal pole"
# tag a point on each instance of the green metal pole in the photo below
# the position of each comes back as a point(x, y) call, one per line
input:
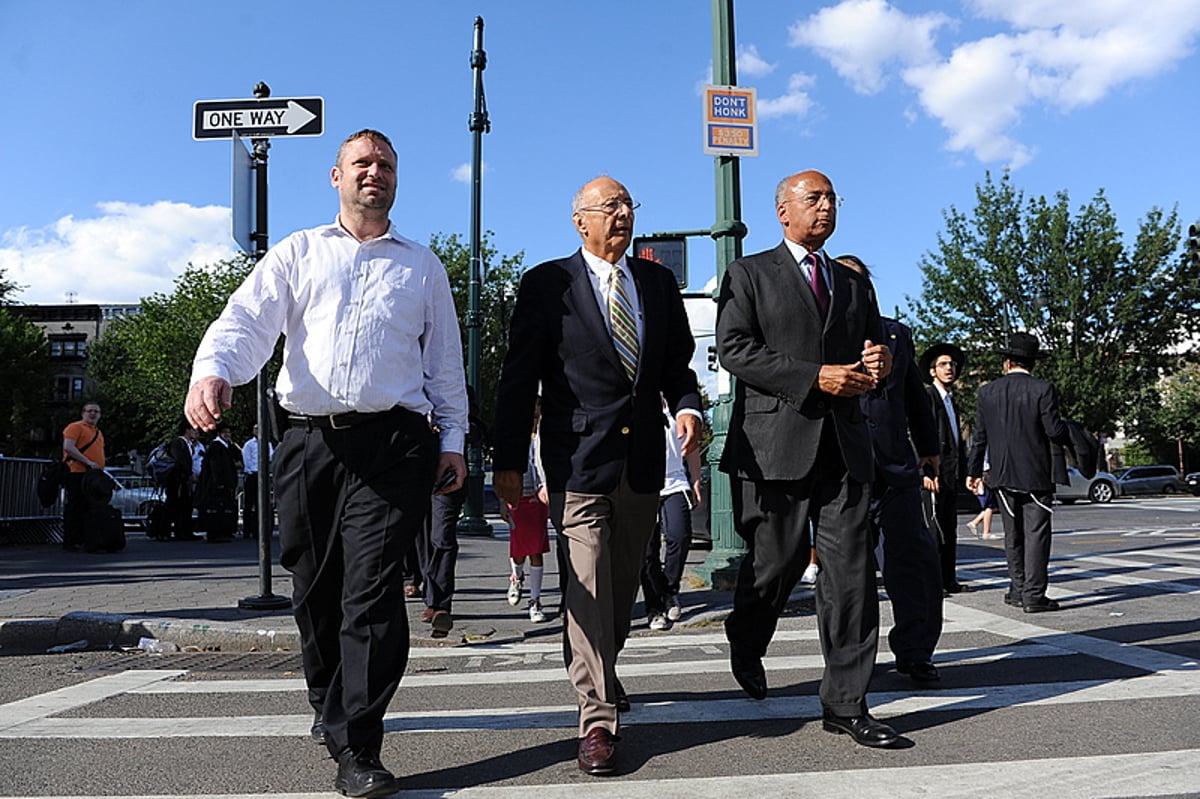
point(472, 522)
point(721, 565)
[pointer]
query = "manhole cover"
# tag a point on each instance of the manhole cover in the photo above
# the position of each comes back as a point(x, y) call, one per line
point(205, 661)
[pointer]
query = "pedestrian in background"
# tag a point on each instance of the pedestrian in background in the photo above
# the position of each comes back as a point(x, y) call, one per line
point(942, 364)
point(83, 451)
point(372, 355)
point(250, 485)
point(528, 537)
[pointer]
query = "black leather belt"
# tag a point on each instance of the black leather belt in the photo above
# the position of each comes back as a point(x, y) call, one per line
point(341, 421)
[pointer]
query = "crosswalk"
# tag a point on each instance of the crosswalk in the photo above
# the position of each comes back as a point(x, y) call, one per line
point(1087, 672)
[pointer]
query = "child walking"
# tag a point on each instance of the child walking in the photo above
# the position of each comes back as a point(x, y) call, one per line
point(528, 537)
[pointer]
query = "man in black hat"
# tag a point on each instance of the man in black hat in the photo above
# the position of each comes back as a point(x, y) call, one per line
point(1016, 419)
point(943, 364)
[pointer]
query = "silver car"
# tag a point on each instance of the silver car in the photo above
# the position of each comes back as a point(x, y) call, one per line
point(1101, 488)
point(133, 495)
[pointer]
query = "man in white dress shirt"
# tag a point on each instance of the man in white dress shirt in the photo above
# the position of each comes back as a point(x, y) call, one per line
point(372, 357)
point(250, 484)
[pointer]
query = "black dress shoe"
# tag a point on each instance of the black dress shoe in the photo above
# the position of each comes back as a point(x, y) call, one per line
point(919, 672)
point(958, 588)
point(1015, 601)
point(360, 774)
point(317, 731)
point(597, 752)
point(864, 729)
point(1043, 606)
point(748, 671)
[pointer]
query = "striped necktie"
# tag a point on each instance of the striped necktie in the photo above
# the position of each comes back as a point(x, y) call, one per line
point(622, 320)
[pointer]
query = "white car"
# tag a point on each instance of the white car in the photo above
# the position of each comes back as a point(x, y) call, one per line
point(1101, 488)
point(134, 494)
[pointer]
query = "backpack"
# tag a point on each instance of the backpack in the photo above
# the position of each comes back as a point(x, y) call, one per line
point(52, 477)
point(161, 464)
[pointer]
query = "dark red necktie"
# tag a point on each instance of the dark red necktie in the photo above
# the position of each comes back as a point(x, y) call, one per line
point(816, 279)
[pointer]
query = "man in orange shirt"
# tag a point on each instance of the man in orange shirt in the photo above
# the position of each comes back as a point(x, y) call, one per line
point(83, 450)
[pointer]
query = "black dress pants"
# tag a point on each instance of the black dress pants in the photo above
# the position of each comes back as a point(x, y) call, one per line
point(437, 548)
point(773, 516)
point(351, 502)
point(911, 572)
point(1027, 542)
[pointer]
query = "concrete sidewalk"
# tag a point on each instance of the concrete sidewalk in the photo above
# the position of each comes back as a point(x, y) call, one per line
point(188, 594)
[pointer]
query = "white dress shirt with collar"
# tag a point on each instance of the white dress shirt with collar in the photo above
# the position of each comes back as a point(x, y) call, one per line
point(801, 255)
point(599, 274)
point(368, 326)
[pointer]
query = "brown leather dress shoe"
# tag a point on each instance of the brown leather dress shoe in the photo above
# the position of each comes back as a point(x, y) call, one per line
point(597, 752)
point(427, 615)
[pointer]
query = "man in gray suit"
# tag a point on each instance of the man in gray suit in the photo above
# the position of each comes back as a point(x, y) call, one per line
point(1016, 421)
point(798, 331)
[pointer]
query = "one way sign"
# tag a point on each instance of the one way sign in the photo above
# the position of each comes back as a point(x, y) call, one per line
point(253, 119)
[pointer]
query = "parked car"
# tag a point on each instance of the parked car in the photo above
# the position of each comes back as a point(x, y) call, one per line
point(1193, 481)
point(1160, 479)
point(133, 495)
point(1101, 488)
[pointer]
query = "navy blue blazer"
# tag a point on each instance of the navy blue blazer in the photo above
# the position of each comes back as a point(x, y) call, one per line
point(595, 421)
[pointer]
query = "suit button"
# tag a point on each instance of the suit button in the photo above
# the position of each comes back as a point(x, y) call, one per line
point(624, 431)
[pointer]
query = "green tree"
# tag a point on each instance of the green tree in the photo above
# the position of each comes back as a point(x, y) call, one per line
point(24, 377)
point(498, 290)
point(144, 362)
point(1110, 314)
point(1173, 427)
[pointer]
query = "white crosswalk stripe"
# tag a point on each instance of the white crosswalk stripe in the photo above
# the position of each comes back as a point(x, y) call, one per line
point(1148, 674)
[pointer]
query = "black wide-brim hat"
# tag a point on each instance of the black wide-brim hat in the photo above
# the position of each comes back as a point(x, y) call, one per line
point(936, 351)
point(1023, 346)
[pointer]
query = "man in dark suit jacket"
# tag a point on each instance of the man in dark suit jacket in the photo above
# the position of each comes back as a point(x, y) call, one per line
point(904, 437)
point(943, 363)
point(798, 331)
point(1016, 421)
point(601, 432)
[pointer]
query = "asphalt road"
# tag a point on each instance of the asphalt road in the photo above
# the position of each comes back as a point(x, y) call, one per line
point(1098, 700)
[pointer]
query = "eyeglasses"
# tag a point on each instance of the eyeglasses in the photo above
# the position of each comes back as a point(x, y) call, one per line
point(810, 200)
point(612, 206)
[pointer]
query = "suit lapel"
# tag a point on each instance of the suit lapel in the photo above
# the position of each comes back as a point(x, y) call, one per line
point(790, 274)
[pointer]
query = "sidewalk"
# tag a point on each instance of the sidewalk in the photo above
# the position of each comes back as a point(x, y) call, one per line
point(188, 594)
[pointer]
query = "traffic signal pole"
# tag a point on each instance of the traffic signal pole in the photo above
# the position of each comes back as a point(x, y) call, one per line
point(720, 567)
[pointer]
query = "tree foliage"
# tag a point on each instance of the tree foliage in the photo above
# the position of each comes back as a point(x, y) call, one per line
point(498, 290)
point(1113, 316)
point(24, 377)
point(144, 362)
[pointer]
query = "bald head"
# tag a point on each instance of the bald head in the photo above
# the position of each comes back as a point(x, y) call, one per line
point(806, 206)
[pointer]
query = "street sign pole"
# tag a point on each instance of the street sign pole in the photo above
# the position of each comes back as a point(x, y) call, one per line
point(721, 565)
point(472, 522)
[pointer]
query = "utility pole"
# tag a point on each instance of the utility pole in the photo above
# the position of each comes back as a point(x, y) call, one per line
point(472, 522)
point(720, 567)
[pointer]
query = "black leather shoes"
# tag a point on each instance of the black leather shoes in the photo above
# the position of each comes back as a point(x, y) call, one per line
point(919, 672)
point(317, 732)
point(864, 729)
point(957, 588)
point(360, 774)
point(748, 671)
point(1015, 601)
point(597, 752)
point(1043, 606)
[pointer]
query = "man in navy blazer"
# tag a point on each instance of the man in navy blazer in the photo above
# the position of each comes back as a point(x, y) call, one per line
point(799, 332)
point(1016, 422)
point(904, 436)
point(601, 434)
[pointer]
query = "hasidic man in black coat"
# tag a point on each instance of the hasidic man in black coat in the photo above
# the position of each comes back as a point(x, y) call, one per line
point(601, 432)
point(943, 364)
point(904, 437)
point(1016, 422)
point(801, 333)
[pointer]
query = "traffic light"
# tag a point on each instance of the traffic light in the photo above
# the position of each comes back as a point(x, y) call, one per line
point(712, 358)
point(670, 251)
point(1193, 244)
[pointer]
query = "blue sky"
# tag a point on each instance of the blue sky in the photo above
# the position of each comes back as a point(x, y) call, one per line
point(905, 105)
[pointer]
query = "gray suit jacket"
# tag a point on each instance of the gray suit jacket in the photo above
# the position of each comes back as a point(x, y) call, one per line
point(771, 338)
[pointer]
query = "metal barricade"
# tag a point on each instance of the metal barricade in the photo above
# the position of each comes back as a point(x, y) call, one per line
point(23, 520)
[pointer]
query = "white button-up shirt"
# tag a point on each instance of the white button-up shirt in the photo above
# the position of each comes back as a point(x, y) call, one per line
point(368, 326)
point(600, 275)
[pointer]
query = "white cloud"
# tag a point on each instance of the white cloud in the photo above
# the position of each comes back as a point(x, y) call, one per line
point(750, 64)
point(462, 172)
point(860, 38)
point(1051, 54)
point(796, 102)
point(127, 253)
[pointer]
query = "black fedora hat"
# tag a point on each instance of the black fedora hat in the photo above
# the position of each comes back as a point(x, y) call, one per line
point(936, 351)
point(1023, 346)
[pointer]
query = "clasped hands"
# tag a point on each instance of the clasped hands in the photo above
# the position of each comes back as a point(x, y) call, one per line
point(850, 380)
